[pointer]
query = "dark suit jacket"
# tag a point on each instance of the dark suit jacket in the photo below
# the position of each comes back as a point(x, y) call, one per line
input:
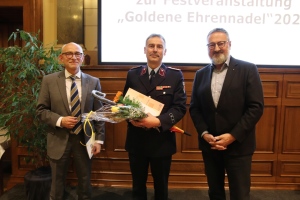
point(239, 108)
point(53, 103)
point(151, 142)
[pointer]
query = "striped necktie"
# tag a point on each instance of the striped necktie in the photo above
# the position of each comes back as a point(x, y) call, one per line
point(75, 105)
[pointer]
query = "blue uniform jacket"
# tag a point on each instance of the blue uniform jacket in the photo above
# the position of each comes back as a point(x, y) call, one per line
point(151, 142)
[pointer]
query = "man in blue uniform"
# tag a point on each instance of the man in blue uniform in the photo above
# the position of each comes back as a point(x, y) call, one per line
point(149, 141)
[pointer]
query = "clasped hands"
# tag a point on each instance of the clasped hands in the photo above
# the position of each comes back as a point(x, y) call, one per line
point(219, 142)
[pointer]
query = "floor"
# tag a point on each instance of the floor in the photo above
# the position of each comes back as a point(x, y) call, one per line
point(112, 193)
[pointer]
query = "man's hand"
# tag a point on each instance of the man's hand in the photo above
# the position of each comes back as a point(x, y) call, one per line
point(209, 137)
point(68, 122)
point(148, 122)
point(96, 148)
point(219, 142)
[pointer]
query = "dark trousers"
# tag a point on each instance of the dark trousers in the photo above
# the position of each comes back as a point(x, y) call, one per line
point(238, 170)
point(160, 170)
point(60, 168)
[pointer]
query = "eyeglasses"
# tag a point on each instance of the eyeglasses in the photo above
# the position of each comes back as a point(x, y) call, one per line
point(70, 54)
point(220, 44)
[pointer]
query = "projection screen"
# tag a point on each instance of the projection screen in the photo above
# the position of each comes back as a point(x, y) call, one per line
point(265, 32)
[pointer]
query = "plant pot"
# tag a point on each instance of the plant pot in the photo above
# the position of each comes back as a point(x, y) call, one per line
point(38, 183)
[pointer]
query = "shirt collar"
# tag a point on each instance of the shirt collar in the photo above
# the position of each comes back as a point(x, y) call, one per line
point(68, 74)
point(155, 70)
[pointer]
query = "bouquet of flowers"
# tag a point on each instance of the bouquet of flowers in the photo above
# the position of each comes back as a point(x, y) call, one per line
point(118, 110)
point(115, 111)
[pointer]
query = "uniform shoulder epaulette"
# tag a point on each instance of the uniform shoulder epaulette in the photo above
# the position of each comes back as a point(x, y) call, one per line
point(174, 68)
point(136, 67)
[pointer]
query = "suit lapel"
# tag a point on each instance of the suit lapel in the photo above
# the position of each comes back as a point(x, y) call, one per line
point(61, 84)
point(85, 88)
point(208, 91)
point(144, 77)
point(85, 85)
point(231, 71)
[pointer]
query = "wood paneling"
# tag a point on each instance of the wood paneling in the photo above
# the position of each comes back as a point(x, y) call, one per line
point(291, 133)
point(288, 168)
point(276, 161)
point(265, 142)
point(32, 13)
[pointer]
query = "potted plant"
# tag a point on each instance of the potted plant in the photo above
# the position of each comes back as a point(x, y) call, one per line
point(23, 68)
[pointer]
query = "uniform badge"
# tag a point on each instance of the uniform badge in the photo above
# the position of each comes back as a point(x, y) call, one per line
point(143, 71)
point(161, 72)
point(161, 87)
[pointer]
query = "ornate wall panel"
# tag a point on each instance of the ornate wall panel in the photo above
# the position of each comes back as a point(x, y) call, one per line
point(187, 167)
point(288, 148)
point(276, 162)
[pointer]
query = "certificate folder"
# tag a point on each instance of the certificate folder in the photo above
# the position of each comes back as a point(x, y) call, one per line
point(150, 105)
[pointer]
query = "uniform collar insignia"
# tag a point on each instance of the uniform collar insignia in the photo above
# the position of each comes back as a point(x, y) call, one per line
point(143, 71)
point(161, 72)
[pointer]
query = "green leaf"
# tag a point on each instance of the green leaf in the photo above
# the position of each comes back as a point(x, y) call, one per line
point(20, 85)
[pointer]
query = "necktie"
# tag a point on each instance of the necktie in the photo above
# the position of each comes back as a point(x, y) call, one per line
point(75, 105)
point(152, 75)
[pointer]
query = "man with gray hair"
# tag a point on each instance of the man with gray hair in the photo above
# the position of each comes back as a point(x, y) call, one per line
point(63, 97)
point(226, 103)
point(149, 141)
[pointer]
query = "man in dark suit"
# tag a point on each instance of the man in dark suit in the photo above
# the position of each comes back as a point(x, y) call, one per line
point(226, 104)
point(54, 108)
point(149, 141)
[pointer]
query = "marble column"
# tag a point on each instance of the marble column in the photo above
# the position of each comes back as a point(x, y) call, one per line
point(70, 27)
